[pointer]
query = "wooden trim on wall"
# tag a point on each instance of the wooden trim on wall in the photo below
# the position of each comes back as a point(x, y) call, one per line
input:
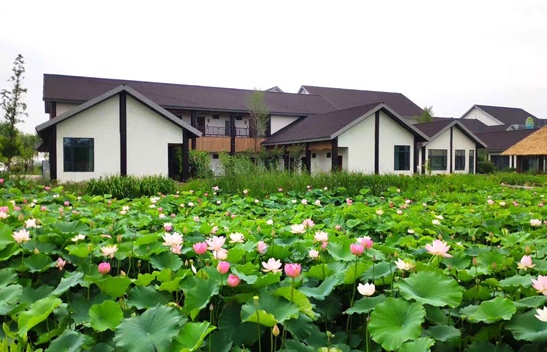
point(308, 158)
point(232, 134)
point(416, 156)
point(53, 153)
point(334, 154)
point(52, 110)
point(194, 123)
point(185, 156)
point(123, 134)
point(451, 150)
point(377, 142)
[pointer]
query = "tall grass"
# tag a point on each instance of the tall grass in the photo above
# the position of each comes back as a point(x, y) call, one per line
point(263, 183)
point(130, 186)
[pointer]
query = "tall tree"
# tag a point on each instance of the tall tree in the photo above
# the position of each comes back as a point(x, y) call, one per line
point(14, 108)
point(259, 113)
point(427, 115)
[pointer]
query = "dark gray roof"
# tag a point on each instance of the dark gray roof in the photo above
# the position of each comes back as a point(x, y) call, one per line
point(477, 126)
point(498, 141)
point(130, 91)
point(438, 127)
point(507, 115)
point(349, 98)
point(329, 125)
point(76, 89)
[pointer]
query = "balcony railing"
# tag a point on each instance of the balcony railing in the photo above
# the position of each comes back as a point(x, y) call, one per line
point(210, 131)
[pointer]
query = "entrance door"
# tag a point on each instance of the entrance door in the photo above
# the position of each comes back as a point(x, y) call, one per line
point(174, 161)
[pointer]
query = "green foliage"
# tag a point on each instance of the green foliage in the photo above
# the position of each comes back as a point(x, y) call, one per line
point(259, 112)
point(485, 167)
point(200, 165)
point(427, 115)
point(130, 186)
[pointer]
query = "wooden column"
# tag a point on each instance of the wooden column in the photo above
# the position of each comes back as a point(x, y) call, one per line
point(232, 134)
point(377, 142)
point(194, 123)
point(53, 153)
point(308, 158)
point(123, 133)
point(185, 156)
point(451, 151)
point(334, 155)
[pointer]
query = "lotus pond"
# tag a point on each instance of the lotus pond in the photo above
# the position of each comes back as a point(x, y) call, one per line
point(313, 269)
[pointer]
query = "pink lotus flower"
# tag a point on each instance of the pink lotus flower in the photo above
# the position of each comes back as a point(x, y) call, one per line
point(237, 237)
point(221, 254)
point(223, 267)
point(308, 223)
point(525, 263)
point(272, 265)
point(176, 248)
point(366, 289)
point(200, 248)
point(313, 253)
point(366, 241)
point(31, 223)
point(404, 266)
point(104, 268)
point(357, 249)
point(214, 230)
point(349, 201)
point(233, 280)
point(261, 247)
point(439, 248)
point(60, 263)
point(67, 203)
point(298, 228)
point(172, 240)
point(215, 188)
point(215, 243)
point(535, 222)
point(321, 236)
point(338, 227)
point(292, 270)
point(540, 284)
point(542, 314)
point(21, 236)
point(167, 226)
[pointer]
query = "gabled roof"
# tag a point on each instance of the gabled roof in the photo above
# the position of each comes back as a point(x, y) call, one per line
point(437, 128)
point(534, 144)
point(130, 91)
point(349, 98)
point(477, 126)
point(498, 141)
point(506, 115)
point(76, 89)
point(330, 125)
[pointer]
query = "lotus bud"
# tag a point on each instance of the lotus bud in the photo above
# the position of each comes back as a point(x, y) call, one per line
point(119, 238)
point(122, 273)
point(494, 265)
point(473, 238)
point(475, 261)
point(395, 254)
point(211, 308)
point(374, 258)
point(36, 251)
point(21, 217)
point(440, 237)
point(255, 300)
point(275, 330)
point(528, 250)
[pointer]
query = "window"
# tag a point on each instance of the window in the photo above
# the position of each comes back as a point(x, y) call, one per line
point(402, 157)
point(78, 154)
point(460, 159)
point(437, 159)
point(215, 156)
point(216, 117)
point(471, 161)
point(313, 155)
point(328, 154)
point(239, 117)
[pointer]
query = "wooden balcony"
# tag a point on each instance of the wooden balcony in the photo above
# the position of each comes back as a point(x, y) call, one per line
point(222, 144)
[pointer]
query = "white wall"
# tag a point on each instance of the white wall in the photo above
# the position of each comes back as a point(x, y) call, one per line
point(148, 135)
point(321, 163)
point(459, 141)
point(392, 134)
point(480, 115)
point(101, 123)
point(278, 122)
point(359, 140)
point(63, 107)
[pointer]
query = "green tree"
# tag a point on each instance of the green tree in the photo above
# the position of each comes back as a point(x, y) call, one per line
point(28, 150)
point(427, 115)
point(259, 113)
point(14, 107)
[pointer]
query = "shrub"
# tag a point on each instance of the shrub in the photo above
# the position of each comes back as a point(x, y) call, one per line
point(485, 167)
point(200, 165)
point(130, 186)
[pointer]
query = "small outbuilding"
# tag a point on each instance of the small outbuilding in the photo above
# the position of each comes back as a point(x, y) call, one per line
point(530, 152)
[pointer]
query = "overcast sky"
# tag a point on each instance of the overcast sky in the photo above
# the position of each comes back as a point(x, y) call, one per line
point(448, 54)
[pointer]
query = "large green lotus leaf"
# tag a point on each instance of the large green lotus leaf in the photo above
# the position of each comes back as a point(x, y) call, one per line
point(10, 297)
point(151, 331)
point(70, 228)
point(105, 316)
point(229, 322)
point(80, 250)
point(199, 295)
point(297, 297)
point(527, 327)
point(490, 311)
point(166, 260)
point(319, 271)
point(302, 328)
point(38, 312)
point(142, 297)
point(353, 271)
point(379, 270)
point(365, 305)
point(530, 302)
point(281, 308)
point(71, 279)
point(444, 292)
point(444, 333)
point(266, 280)
point(251, 314)
point(485, 346)
point(240, 270)
point(7, 276)
point(421, 344)
point(5, 236)
point(396, 321)
point(517, 280)
point(69, 341)
point(324, 289)
point(114, 286)
point(341, 251)
point(38, 262)
point(146, 279)
point(191, 336)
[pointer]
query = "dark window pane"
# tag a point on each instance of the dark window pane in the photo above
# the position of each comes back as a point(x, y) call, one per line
point(78, 154)
point(402, 157)
point(460, 159)
point(437, 159)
